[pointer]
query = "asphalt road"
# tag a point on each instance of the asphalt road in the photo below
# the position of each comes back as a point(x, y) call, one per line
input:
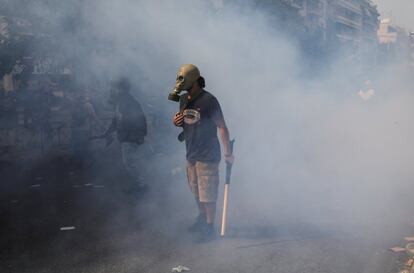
point(110, 231)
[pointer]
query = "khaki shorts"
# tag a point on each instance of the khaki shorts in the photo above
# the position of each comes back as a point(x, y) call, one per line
point(203, 179)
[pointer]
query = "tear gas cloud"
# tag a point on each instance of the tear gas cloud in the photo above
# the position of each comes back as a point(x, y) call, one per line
point(307, 149)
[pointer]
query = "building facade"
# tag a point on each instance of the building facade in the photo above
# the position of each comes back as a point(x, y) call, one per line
point(394, 42)
point(324, 26)
point(350, 24)
point(349, 21)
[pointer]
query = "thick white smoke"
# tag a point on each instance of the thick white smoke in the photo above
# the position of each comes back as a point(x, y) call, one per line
point(306, 150)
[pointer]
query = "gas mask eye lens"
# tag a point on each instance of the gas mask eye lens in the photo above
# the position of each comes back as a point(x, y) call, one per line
point(180, 78)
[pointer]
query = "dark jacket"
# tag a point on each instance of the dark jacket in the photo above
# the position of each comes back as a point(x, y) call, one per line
point(129, 121)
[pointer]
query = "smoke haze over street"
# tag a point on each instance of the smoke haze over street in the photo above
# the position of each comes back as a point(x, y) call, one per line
point(311, 153)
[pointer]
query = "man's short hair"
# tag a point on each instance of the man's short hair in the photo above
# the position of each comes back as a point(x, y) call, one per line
point(202, 82)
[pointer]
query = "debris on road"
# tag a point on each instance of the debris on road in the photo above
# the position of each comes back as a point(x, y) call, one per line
point(409, 264)
point(397, 249)
point(88, 184)
point(67, 228)
point(35, 186)
point(409, 239)
point(180, 268)
point(410, 249)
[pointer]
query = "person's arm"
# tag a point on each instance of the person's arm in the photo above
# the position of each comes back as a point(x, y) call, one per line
point(145, 124)
point(92, 114)
point(111, 128)
point(178, 119)
point(225, 140)
point(224, 133)
point(143, 119)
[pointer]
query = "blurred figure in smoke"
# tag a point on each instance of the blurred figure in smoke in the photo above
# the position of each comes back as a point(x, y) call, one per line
point(130, 125)
point(83, 123)
point(200, 115)
point(368, 93)
point(42, 112)
point(8, 116)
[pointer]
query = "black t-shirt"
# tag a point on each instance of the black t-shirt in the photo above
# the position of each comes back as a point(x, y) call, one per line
point(201, 116)
point(131, 124)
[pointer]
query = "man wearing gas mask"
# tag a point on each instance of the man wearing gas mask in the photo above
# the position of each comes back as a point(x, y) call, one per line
point(130, 125)
point(200, 116)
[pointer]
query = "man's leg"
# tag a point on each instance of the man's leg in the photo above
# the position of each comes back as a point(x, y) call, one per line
point(210, 208)
point(193, 184)
point(201, 207)
point(140, 171)
point(130, 153)
point(80, 142)
point(126, 160)
point(208, 182)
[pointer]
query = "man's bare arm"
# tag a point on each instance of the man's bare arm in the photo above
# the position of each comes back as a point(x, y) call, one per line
point(225, 139)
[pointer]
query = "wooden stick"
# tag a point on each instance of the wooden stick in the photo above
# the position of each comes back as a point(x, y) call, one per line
point(224, 216)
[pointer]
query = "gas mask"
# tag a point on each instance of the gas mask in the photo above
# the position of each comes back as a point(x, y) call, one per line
point(186, 77)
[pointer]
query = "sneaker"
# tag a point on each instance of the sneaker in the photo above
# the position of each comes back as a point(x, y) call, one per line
point(198, 224)
point(207, 234)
